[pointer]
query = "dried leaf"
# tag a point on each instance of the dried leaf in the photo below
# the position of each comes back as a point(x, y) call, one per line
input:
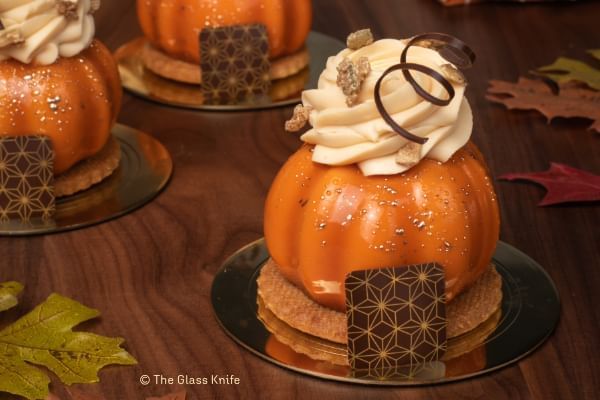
point(564, 184)
point(173, 396)
point(8, 294)
point(529, 94)
point(565, 70)
point(44, 337)
point(595, 53)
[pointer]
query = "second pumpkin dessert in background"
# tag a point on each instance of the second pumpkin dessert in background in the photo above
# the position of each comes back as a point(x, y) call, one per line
point(173, 27)
point(57, 80)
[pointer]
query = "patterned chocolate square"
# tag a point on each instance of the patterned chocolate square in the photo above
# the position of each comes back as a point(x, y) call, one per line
point(396, 317)
point(26, 178)
point(235, 63)
point(428, 371)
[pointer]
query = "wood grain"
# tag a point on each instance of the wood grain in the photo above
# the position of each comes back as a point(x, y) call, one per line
point(150, 272)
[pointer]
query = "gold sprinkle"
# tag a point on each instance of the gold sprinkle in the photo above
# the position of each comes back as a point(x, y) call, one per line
point(409, 154)
point(453, 74)
point(359, 39)
point(68, 8)
point(94, 6)
point(447, 245)
point(11, 36)
point(299, 118)
point(351, 76)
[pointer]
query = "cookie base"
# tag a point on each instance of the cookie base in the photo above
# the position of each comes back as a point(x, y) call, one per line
point(311, 329)
point(90, 171)
point(181, 71)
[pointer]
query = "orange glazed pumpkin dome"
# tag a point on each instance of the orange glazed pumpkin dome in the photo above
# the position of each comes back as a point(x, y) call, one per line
point(323, 222)
point(74, 101)
point(359, 196)
point(173, 26)
point(64, 86)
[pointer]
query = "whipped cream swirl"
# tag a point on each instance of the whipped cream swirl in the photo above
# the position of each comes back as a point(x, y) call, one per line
point(41, 31)
point(345, 135)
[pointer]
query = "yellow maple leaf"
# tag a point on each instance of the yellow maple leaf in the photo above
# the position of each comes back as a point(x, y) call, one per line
point(45, 337)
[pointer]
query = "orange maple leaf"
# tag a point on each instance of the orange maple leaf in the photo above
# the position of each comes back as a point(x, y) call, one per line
point(572, 100)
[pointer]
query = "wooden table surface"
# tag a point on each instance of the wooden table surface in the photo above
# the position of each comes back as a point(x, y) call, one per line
point(150, 272)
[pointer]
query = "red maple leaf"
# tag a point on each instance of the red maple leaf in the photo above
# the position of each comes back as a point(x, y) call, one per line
point(564, 184)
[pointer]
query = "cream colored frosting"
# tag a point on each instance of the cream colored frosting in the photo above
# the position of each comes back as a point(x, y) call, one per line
point(41, 31)
point(345, 135)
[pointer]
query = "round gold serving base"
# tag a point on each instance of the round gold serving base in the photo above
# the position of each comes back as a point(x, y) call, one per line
point(180, 71)
point(144, 170)
point(309, 328)
point(529, 312)
point(285, 88)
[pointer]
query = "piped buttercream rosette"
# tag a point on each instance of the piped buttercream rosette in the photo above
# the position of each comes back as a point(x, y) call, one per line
point(409, 106)
point(41, 31)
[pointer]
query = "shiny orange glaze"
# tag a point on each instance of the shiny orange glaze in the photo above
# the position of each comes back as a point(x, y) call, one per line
point(323, 222)
point(74, 101)
point(174, 25)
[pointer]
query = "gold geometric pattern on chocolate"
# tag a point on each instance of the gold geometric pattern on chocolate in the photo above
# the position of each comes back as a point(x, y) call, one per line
point(235, 63)
point(26, 178)
point(431, 370)
point(396, 318)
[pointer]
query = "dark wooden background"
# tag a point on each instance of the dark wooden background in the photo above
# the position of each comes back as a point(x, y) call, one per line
point(150, 272)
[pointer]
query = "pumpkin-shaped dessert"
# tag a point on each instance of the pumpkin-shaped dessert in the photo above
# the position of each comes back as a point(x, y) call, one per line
point(322, 222)
point(173, 26)
point(74, 101)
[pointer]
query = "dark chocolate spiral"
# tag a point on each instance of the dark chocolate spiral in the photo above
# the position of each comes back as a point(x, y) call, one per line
point(451, 49)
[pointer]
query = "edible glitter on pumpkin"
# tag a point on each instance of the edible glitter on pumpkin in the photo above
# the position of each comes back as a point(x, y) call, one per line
point(395, 220)
point(73, 101)
point(288, 23)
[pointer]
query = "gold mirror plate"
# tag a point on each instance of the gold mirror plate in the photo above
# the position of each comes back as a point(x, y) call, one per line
point(141, 82)
point(143, 172)
point(529, 313)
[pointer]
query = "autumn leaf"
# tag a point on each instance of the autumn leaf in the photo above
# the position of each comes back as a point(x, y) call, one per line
point(173, 396)
point(530, 94)
point(44, 337)
point(565, 70)
point(564, 184)
point(8, 294)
